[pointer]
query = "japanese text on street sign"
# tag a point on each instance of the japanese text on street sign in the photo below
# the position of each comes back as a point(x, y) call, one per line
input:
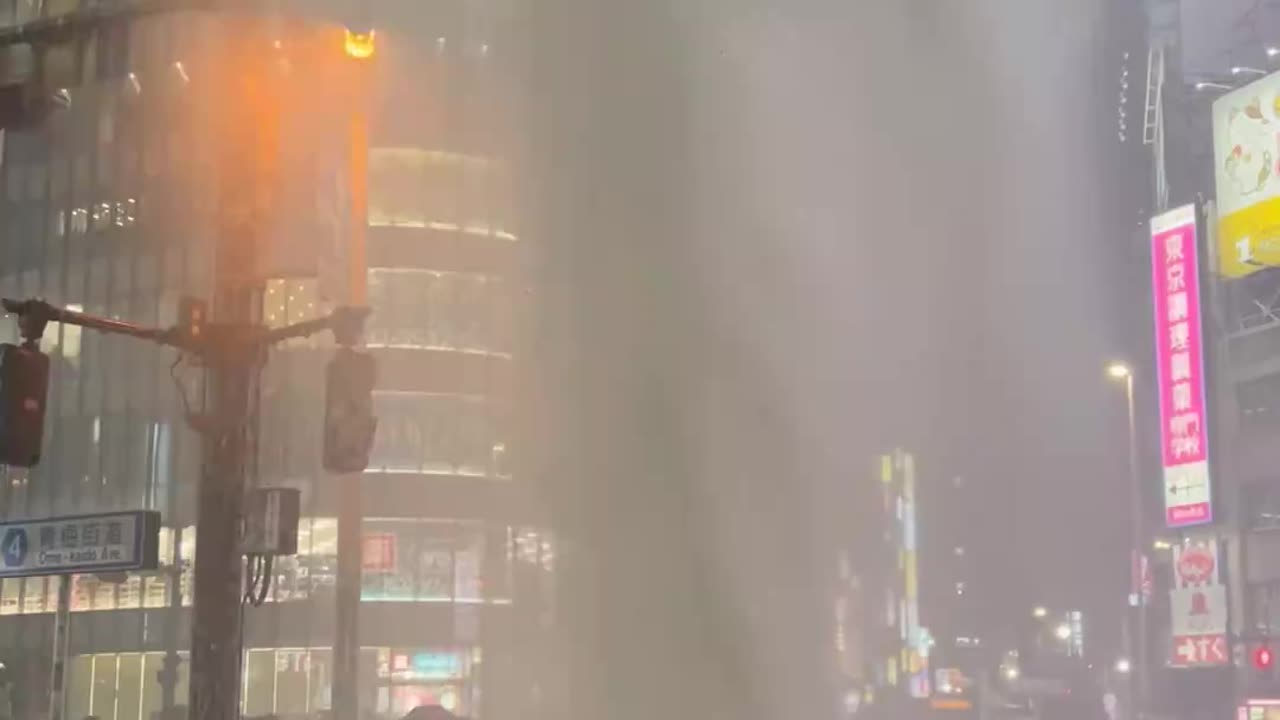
point(1184, 436)
point(110, 542)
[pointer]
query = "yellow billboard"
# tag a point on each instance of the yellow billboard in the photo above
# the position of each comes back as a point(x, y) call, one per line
point(1246, 155)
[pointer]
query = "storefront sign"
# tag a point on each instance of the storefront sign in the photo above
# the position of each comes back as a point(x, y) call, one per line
point(1246, 156)
point(1184, 436)
point(1199, 651)
point(426, 665)
point(1198, 606)
point(379, 553)
point(112, 542)
point(1259, 709)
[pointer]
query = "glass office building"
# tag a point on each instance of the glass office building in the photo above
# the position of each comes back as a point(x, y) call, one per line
point(110, 205)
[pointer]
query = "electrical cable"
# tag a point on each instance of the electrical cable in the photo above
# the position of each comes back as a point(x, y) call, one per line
point(258, 570)
point(179, 386)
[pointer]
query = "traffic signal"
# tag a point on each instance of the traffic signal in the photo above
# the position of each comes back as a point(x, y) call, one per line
point(349, 423)
point(1262, 658)
point(24, 384)
point(21, 106)
point(193, 313)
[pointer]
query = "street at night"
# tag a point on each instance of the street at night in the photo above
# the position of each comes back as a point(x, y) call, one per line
point(617, 359)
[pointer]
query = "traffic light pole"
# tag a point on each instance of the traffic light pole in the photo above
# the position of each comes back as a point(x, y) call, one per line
point(217, 622)
point(346, 644)
point(61, 650)
point(232, 351)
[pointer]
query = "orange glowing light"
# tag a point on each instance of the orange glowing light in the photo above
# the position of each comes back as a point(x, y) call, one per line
point(359, 45)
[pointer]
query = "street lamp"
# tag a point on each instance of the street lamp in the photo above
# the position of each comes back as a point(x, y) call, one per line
point(1040, 612)
point(1123, 666)
point(1062, 632)
point(1119, 371)
point(359, 44)
point(1122, 372)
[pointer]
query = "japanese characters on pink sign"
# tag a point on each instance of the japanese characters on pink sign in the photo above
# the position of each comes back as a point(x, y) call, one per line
point(1175, 280)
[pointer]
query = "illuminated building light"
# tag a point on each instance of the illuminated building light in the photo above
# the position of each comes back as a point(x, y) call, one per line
point(359, 46)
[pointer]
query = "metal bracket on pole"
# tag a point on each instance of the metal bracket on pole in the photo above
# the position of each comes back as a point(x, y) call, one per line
point(34, 315)
point(216, 344)
point(231, 350)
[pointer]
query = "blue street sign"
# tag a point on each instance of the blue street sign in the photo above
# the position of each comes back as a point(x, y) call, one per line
point(109, 542)
point(14, 547)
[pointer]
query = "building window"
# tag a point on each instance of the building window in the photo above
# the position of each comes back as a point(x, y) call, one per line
point(404, 560)
point(410, 677)
point(122, 686)
point(430, 309)
point(287, 301)
point(430, 433)
point(416, 188)
point(416, 561)
point(10, 592)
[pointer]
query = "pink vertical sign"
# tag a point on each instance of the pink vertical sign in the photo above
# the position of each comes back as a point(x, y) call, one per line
point(1184, 436)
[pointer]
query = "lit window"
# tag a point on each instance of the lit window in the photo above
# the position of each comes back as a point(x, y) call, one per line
point(101, 215)
point(428, 433)
point(69, 338)
point(79, 221)
point(33, 596)
point(287, 301)
point(441, 310)
point(10, 590)
point(445, 191)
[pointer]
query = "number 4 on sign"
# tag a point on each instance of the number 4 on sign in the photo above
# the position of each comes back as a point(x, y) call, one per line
point(14, 547)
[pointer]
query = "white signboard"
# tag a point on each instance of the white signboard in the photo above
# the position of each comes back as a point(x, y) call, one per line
point(111, 542)
point(1198, 606)
point(1199, 611)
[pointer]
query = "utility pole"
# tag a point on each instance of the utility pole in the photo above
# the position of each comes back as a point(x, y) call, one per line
point(246, 143)
point(245, 119)
point(231, 351)
point(1138, 654)
point(360, 48)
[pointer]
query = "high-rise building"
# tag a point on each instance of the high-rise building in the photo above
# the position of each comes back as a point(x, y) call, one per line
point(897, 644)
point(930, 599)
point(113, 204)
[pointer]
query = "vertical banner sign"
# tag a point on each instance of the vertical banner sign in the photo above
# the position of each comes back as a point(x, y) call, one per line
point(1184, 436)
point(1198, 606)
